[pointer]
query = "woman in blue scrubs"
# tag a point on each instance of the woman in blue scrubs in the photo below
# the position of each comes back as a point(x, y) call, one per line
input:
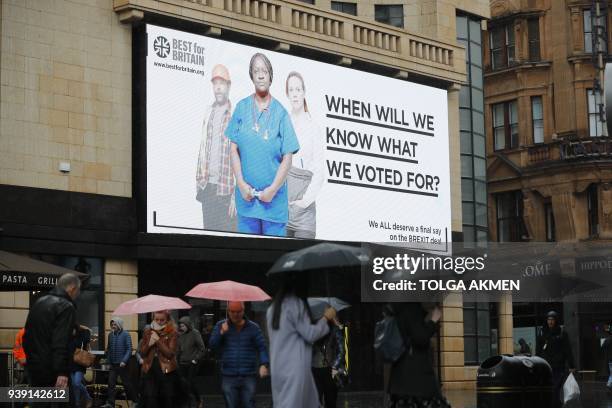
point(263, 143)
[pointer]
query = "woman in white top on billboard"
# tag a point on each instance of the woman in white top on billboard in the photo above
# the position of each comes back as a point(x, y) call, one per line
point(306, 174)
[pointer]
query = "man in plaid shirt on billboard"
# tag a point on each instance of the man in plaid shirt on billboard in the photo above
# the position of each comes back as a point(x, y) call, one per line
point(214, 177)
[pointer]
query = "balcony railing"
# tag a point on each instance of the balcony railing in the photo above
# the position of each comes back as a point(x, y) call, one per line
point(593, 148)
point(570, 149)
point(292, 22)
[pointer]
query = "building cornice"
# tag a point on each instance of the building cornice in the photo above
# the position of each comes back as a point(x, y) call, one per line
point(296, 23)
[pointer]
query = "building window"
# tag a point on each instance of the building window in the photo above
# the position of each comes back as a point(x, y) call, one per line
point(594, 31)
point(595, 102)
point(593, 207)
point(549, 218)
point(510, 225)
point(472, 136)
point(390, 14)
point(533, 31)
point(537, 119)
point(587, 28)
point(476, 332)
point(502, 46)
point(505, 125)
point(344, 7)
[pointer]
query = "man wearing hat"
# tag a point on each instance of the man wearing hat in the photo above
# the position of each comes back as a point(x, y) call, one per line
point(214, 177)
point(553, 345)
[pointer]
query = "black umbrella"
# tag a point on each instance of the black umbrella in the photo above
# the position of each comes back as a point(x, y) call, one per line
point(321, 256)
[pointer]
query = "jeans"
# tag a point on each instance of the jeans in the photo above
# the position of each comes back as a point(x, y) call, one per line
point(159, 387)
point(188, 374)
point(78, 387)
point(239, 391)
point(116, 371)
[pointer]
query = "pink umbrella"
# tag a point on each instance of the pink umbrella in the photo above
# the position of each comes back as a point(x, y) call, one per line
point(228, 290)
point(150, 303)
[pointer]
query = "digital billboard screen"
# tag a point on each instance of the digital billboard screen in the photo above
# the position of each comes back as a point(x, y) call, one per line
point(250, 142)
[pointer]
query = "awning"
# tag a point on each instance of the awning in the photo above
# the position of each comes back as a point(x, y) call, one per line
point(22, 273)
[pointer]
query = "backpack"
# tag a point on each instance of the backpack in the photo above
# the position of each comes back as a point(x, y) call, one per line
point(389, 343)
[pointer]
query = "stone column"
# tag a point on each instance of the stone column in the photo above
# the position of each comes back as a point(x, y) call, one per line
point(455, 156)
point(120, 285)
point(452, 357)
point(506, 344)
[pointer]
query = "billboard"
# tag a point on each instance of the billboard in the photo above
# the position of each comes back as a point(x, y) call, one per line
point(242, 140)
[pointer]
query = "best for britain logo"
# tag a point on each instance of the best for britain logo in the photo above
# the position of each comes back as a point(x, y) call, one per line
point(161, 46)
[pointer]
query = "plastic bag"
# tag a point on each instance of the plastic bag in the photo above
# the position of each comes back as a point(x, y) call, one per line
point(571, 390)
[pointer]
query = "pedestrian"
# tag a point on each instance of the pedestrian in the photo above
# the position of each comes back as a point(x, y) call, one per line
point(214, 177)
point(119, 351)
point(328, 362)
point(19, 355)
point(158, 350)
point(607, 350)
point(262, 146)
point(189, 355)
point(412, 381)
point(553, 345)
point(48, 332)
point(240, 344)
point(80, 340)
point(292, 333)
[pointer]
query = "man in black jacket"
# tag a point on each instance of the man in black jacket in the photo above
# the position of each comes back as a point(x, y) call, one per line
point(553, 345)
point(48, 331)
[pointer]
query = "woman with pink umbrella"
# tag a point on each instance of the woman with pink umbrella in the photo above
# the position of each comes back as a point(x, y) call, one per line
point(157, 348)
point(158, 352)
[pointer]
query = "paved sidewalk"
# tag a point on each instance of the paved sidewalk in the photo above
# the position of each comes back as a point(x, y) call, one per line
point(594, 395)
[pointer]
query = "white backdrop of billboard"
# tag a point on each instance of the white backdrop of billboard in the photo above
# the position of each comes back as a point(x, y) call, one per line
point(381, 194)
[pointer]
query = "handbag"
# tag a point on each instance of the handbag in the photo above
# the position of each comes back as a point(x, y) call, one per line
point(83, 357)
point(389, 343)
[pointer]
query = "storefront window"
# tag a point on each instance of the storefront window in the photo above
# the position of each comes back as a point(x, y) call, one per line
point(477, 332)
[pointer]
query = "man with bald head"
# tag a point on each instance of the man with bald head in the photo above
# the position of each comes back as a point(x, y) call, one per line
point(48, 332)
point(241, 347)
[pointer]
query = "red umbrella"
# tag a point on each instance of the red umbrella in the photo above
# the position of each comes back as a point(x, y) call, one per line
point(228, 290)
point(151, 303)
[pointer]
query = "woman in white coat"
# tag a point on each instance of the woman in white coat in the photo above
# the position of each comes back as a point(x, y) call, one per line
point(292, 333)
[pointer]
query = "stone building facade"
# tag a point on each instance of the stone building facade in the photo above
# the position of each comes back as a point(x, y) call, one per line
point(67, 100)
point(549, 154)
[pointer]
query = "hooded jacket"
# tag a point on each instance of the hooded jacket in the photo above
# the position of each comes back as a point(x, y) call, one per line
point(48, 330)
point(190, 344)
point(119, 345)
